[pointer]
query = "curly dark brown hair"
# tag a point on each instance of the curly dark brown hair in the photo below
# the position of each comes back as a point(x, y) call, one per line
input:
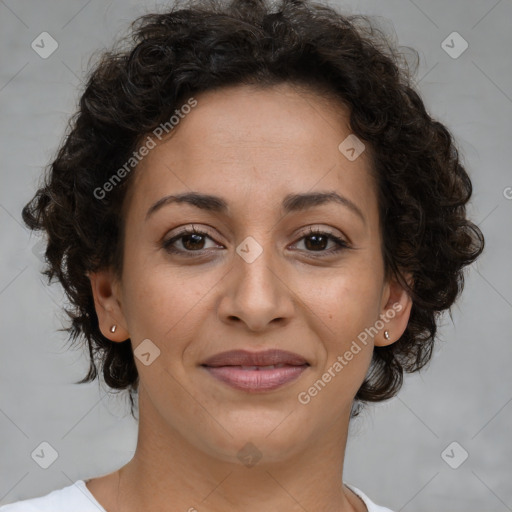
point(202, 45)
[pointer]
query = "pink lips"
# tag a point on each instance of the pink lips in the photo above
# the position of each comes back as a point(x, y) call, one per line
point(256, 371)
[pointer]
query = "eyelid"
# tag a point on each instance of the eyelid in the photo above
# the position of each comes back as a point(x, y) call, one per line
point(341, 241)
point(184, 231)
point(316, 229)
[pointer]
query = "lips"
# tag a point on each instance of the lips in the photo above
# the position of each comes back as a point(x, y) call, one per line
point(256, 371)
point(267, 358)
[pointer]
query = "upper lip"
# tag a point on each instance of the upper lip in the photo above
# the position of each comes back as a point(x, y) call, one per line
point(263, 358)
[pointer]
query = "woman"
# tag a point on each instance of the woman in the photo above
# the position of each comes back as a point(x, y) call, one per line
point(258, 225)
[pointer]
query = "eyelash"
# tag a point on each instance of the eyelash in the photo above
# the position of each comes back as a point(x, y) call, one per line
point(342, 244)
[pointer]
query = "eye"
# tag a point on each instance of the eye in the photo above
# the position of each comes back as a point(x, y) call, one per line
point(190, 239)
point(193, 240)
point(316, 240)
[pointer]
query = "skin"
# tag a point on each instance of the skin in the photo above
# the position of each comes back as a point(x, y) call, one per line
point(252, 147)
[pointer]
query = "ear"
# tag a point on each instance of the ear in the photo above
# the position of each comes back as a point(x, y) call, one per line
point(395, 311)
point(106, 292)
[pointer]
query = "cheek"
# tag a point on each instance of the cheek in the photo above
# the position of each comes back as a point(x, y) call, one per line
point(346, 301)
point(164, 302)
point(343, 308)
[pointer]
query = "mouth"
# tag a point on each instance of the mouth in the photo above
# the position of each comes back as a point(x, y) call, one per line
point(256, 371)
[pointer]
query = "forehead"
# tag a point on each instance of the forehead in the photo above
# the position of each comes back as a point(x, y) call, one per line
point(254, 146)
point(244, 121)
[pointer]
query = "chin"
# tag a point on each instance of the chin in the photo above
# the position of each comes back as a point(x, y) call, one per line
point(253, 440)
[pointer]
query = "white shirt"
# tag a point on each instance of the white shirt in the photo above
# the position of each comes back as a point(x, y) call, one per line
point(78, 498)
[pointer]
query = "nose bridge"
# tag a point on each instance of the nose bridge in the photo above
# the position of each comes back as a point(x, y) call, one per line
point(256, 295)
point(255, 277)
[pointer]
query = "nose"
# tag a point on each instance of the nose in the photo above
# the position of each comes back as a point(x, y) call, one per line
point(256, 294)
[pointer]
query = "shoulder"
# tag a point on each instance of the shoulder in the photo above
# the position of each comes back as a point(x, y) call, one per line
point(370, 505)
point(74, 497)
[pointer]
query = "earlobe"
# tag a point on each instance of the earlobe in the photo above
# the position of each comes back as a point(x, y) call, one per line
point(108, 307)
point(395, 314)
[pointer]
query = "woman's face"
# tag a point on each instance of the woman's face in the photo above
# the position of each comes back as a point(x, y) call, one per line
point(255, 278)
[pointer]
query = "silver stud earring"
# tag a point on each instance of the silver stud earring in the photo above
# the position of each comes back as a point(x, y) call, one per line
point(113, 328)
point(386, 335)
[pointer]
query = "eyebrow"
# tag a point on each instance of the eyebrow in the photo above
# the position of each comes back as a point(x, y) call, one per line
point(291, 203)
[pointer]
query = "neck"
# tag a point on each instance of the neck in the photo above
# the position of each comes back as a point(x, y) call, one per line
point(168, 472)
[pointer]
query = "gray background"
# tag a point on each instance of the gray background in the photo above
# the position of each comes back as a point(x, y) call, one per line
point(394, 451)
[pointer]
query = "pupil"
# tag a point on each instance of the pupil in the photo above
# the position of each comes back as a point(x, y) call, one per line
point(196, 239)
point(316, 244)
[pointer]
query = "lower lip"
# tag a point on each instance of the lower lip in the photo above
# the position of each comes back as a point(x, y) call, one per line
point(256, 380)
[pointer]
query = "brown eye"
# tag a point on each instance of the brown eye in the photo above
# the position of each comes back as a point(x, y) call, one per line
point(318, 241)
point(189, 241)
point(193, 241)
